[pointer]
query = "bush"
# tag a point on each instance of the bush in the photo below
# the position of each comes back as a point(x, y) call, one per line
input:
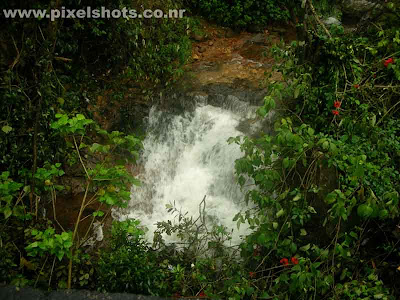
point(242, 13)
point(327, 180)
point(129, 265)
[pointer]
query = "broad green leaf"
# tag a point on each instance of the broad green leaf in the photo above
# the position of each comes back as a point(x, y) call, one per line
point(7, 212)
point(280, 213)
point(6, 129)
point(65, 236)
point(286, 162)
point(296, 93)
point(364, 210)
point(305, 248)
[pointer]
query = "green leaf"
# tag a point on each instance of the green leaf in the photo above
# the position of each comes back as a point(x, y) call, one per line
point(286, 162)
point(99, 213)
point(331, 198)
point(261, 239)
point(7, 212)
point(6, 129)
point(305, 248)
point(384, 213)
point(296, 93)
point(280, 213)
point(303, 232)
point(60, 100)
point(33, 245)
point(262, 111)
point(68, 244)
point(65, 236)
point(364, 210)
point(60, 255)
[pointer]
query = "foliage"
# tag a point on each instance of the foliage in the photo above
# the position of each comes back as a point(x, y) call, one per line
point(328, 176)
point(108, 181)
point(60, 67)
point(49, 241)
point(8, 192)
point(324, 207)
point(129, 266)
point(243, 13)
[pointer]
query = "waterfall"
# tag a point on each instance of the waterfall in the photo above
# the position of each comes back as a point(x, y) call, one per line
point(186, 157)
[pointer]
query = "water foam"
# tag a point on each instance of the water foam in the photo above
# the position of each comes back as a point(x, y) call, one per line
point(185, 158)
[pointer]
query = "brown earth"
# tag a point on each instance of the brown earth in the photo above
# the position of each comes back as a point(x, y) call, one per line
point(223, 56)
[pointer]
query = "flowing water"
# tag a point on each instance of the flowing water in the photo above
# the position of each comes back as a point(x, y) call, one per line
point(186, 157)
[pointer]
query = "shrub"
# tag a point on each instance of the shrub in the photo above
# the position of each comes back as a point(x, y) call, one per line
point(243, 13)
point(129, 265)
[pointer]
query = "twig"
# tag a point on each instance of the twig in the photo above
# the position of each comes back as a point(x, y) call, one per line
point(53, 200)
point(16, 60)
point(334, 248)
point(63, 59)
point(318, 19)
point(76, 230)
point(52, 269)
point(41, 270)
point(80, 158)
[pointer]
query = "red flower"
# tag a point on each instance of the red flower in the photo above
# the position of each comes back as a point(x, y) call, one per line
point(177, 295)
point(202, 294)
point(252, 274)
point(335, 112)
point(284, 261)
point(388, 62)
point(337, 104)
point(294, 260)
point(356, 86)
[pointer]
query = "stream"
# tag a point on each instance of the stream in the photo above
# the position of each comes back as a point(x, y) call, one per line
point(186, 157)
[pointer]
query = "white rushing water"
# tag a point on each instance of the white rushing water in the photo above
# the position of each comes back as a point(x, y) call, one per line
point(185, 158)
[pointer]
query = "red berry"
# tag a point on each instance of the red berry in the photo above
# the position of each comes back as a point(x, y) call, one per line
point(388, 62)
point(284, 261)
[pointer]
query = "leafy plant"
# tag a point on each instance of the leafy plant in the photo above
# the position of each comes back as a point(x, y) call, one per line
point(129, 265)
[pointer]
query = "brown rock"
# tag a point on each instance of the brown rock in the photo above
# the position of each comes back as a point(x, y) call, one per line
point(210, 43)
point(198, 37)
point(202, 49)
point(229, 33)
point(195, 57)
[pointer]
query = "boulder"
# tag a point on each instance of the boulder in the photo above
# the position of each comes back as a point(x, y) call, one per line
point(332, 21)
point(358, 9)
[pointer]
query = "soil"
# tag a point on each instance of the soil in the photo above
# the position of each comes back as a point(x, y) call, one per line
point(228, 57)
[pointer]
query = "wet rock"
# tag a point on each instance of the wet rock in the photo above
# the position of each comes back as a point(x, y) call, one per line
point(279, 30)
point(202, 49)
point(258, 39)
point(255, 28)
point(229, 33)
point(198, 37)
point(331, 21)
point(357, 9)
